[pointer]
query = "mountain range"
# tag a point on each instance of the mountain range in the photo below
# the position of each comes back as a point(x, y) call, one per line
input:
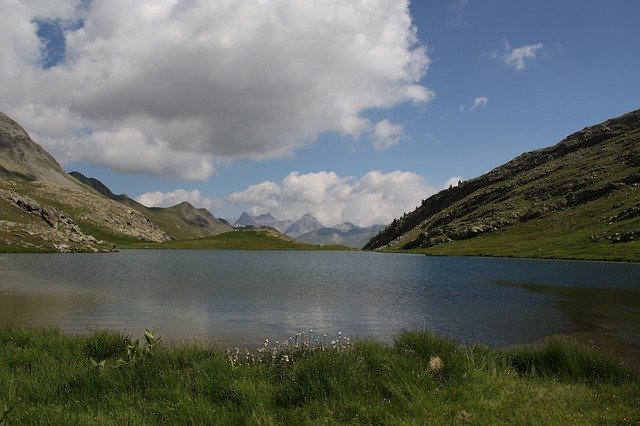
point(577, 199)
point(308, 229)
point(265, 219)
point(346, 234)
point(306, 223)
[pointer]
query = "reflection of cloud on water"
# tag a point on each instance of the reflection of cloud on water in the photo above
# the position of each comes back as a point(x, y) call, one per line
point(43, 309)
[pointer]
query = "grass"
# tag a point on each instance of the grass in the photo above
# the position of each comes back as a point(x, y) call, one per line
point(238, 240)
point(47, 377)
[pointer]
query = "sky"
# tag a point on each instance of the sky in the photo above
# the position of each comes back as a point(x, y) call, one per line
point(348, 110)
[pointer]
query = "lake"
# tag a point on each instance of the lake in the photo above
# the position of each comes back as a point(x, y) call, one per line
point(240, 298)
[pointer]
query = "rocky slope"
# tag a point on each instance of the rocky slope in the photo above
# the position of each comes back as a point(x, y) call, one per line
point(42, 208)
point(21, 158)
point(579, 198)
point(43, 216)
point(346, 234)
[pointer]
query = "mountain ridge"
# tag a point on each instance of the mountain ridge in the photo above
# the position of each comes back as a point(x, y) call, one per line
point(346, 234)
point(306, 223)
point(262, 220)
point(594, 171)
point(181, 221)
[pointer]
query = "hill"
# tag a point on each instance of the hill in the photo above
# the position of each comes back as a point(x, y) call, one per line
point(346, 234)
point(23, 159)
point(247, 239)
point(182, 221)
point(44, 209)
point(578, 199)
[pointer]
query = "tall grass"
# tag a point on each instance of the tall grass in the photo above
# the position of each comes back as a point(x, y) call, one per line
point(47, 377)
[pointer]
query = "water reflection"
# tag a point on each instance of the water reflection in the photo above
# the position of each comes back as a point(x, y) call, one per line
point(239, 298)
point(608, 319)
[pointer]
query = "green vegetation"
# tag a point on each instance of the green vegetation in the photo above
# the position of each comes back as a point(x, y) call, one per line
point(49, 377)
point(581, 233)
point(579, 199)
point(238, 240)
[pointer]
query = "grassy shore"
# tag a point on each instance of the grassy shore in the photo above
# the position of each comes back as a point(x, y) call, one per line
point(50, 377)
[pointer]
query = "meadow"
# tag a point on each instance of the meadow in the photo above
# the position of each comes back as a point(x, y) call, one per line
point(47, 376)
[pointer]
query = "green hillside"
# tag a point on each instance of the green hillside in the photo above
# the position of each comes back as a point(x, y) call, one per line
point(257, 239)
point(579, 199)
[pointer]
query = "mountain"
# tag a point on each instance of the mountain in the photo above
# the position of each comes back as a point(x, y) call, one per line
point(346, 234)
point(265, 219)
point(42, 208)
point(182, 221)
point(95, 184)
point(306, 223)
point(23, 159)
point(577, 199)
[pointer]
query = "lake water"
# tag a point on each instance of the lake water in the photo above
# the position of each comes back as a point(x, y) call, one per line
point(239, 298)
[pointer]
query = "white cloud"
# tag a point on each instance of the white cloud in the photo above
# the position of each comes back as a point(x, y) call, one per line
point(386, 134)
point(168, 199)
point(457, 7)
point(453, 181)
point(172, 88)
point(517, 57)
point(376, 197)
point(480, 101)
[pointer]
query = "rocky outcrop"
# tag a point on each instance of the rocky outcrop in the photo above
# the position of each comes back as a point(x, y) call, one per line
point(57, 230)
point(91, 211)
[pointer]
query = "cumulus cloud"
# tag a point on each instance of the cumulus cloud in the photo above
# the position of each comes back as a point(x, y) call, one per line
point(480, 101)
point(168, 199)
point(376, 197)
point(386, 134)
point(173, 87)
point(517, 58)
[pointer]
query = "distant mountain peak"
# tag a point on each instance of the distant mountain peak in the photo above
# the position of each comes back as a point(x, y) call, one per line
point(346, 226)
point(265, 216)
point(265, 219)
point(306, 223)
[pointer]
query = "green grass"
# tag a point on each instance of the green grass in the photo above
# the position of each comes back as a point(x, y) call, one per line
point(47, 377)
point(238, 240)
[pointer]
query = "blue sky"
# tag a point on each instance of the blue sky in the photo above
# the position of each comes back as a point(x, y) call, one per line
point(535, 70)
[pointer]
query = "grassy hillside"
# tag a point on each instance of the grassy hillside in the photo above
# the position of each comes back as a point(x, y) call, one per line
point(44, 209)
point(47, 377)
point(44, 217)
point(578, 199)
point(259, 239)
point(182, 221)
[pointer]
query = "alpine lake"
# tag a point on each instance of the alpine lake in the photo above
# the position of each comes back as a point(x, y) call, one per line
point(241, 298)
